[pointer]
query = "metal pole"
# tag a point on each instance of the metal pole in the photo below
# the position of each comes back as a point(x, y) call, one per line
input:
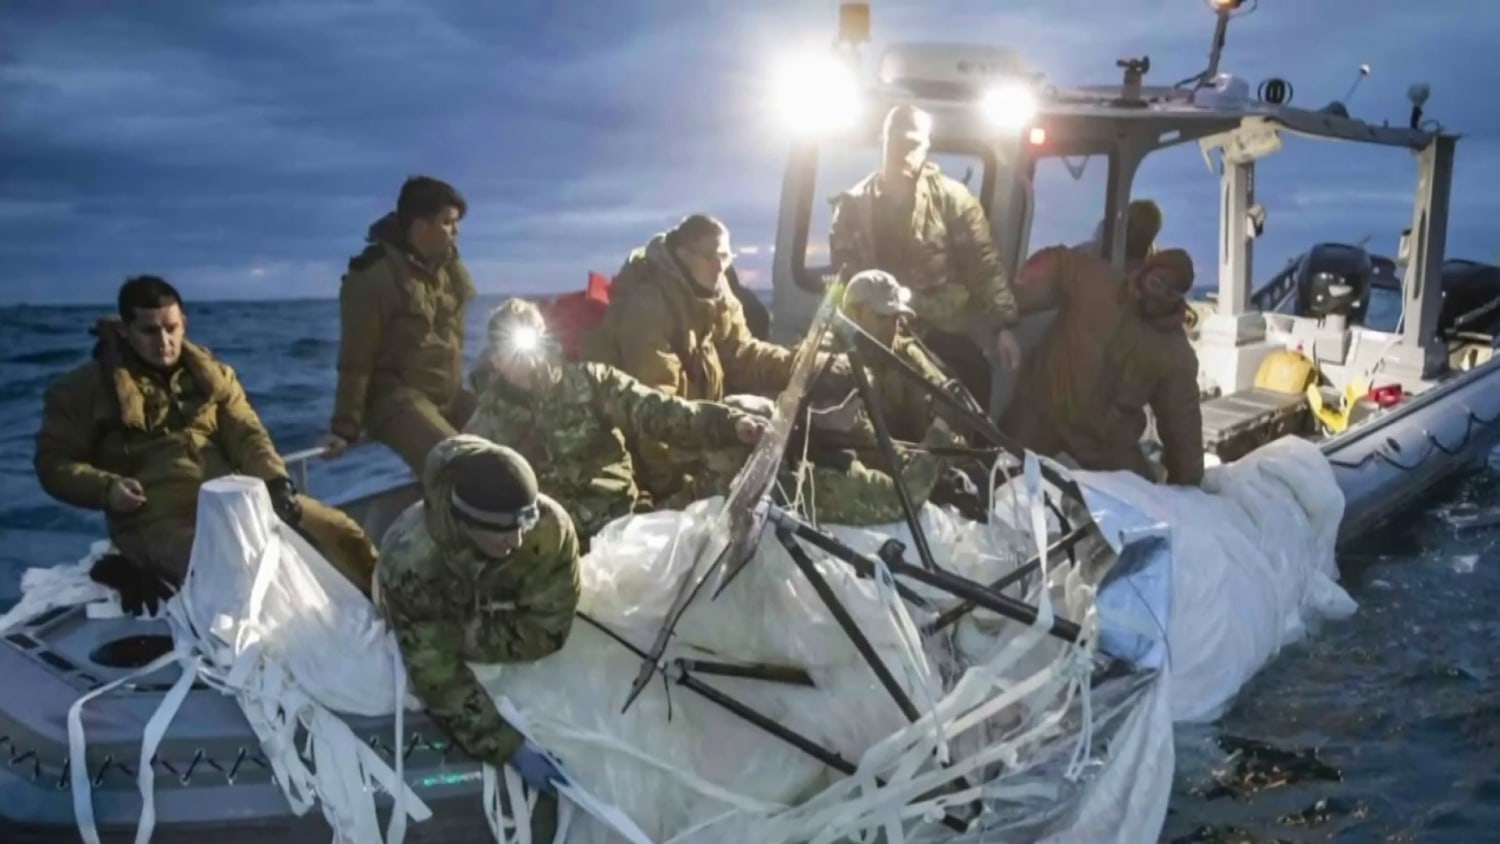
point(845, 621)
point(960, 587)
point(1065, 543)
point(770, 673)
point(749, 715)
point(871, 399)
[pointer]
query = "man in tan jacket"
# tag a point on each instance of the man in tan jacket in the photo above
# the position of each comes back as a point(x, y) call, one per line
point(1114, 349)
point(402, 307)
point(674, 325)
point(140, 427)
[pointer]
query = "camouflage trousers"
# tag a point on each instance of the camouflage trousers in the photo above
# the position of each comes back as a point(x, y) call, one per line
point(859, 496)
point(854, 495)
point(167, 548)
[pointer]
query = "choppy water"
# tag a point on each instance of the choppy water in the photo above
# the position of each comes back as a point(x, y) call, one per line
point(1383, 727)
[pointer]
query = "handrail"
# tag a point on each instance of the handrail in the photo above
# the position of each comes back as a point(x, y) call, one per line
point(297, 462)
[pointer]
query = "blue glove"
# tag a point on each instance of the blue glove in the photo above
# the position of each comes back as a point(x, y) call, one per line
point(537, 768)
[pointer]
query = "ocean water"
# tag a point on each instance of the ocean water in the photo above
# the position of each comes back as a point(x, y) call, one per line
point(1382, 727)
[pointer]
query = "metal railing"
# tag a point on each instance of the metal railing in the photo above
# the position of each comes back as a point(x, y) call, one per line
point(298, 462)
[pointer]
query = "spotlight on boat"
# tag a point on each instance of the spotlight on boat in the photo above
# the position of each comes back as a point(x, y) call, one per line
point(1009, 106)
point(817, 95)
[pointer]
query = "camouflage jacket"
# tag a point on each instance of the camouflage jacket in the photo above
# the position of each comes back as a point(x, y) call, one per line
point(575, 434)
point(401, 329)
point(863, 495)
point(448, 605)
point(944, 253)
point(117, 417)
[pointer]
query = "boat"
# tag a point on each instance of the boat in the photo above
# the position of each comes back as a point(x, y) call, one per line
point(1423, 339)
point(212, 777)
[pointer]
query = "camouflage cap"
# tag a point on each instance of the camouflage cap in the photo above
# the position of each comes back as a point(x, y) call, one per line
point(879, 291)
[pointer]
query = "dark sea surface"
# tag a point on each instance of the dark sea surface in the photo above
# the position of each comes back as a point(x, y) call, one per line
point(1382, 727)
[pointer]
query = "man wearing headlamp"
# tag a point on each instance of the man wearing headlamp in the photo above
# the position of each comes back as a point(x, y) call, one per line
point(577, 422)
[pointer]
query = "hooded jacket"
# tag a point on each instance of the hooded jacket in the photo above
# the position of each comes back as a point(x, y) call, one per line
point(116, 417)
point(574, 433)
point(665, 332)
point(944, 254)
point(1107, 357)
point(449, 605)
point(402, 329)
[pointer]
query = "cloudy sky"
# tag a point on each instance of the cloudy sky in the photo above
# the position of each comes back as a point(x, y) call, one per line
point(241, 149)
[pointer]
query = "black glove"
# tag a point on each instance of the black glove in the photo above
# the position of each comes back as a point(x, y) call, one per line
point(141, 591)
point(284, 500)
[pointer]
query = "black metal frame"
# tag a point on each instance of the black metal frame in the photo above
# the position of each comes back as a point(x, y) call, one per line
point(682, 675)
point(790, 529)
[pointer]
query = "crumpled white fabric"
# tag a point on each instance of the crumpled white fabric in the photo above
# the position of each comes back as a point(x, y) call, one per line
point(1254, 563)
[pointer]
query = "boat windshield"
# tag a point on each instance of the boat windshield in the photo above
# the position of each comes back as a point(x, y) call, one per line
point(1384, 313)
point(840, 167)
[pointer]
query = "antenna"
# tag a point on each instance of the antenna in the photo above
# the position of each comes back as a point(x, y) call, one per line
point(1224, 9)
point(1364, 70)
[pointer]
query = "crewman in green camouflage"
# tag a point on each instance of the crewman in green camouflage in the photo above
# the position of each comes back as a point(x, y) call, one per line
point(136, 431)
point(483, 569)
point(880, 306)
point(929, 231)
point(852, 493)
point(402, 306)
point(572, 421)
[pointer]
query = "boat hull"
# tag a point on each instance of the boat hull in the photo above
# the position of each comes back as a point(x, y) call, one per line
point(1394, 460)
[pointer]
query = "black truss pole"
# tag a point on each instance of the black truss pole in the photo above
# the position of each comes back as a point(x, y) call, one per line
point(787, 674)
point(871, 399)
point(754, 718)
point(953, 584)
point(976, 420)
point(851, 629)
point(1065, 543)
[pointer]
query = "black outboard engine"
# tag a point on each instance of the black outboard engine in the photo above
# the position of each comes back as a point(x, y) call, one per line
point(1334, 281)
point(1471, 299)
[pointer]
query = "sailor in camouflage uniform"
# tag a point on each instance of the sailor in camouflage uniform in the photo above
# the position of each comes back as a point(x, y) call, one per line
point(572, 421)
point(484, 569)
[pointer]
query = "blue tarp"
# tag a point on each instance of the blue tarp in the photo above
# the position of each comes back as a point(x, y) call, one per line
point(1135, 600)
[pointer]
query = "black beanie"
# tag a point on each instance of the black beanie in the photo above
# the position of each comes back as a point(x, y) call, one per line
point(494, 488)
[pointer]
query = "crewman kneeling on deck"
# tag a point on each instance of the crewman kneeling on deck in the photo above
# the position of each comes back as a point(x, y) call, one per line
point(140, 427)
point(1113, 350)
point(401, 347)
point(483, 569)
point(674, 325)
point(572, 421)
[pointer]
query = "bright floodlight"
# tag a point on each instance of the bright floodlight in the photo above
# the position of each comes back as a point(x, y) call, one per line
point(1009, 106)
point(817, 94)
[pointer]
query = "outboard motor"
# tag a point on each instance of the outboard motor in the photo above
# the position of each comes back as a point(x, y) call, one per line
point(1471, 298)
point(1333, 284)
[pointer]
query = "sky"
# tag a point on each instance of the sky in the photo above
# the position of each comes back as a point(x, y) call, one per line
point(242, 149)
